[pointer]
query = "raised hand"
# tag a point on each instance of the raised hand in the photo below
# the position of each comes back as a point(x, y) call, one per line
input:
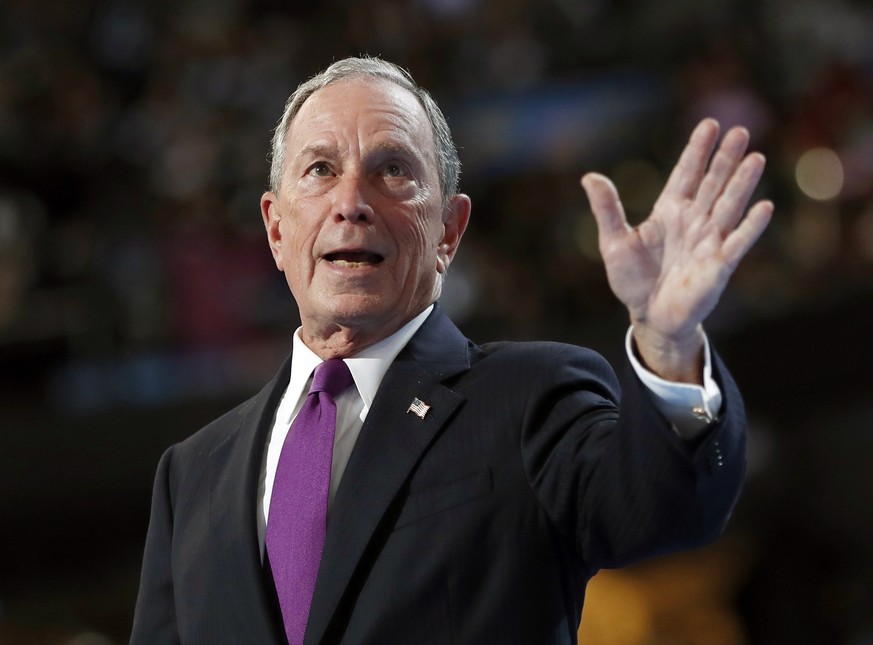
point(671, 270)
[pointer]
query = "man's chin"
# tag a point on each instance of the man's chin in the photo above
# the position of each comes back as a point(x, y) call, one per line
point(365, 316)
point(357, 312)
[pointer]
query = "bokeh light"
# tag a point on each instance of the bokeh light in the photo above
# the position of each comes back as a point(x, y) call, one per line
point(819, 174)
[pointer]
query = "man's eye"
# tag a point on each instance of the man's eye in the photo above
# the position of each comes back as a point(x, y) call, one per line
point(320, 169)
point(394, 170)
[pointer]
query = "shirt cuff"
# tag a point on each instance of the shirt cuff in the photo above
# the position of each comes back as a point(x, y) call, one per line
point(689, 408)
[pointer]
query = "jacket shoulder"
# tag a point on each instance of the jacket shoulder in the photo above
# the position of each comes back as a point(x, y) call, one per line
point(543, 358)
point(248, 415)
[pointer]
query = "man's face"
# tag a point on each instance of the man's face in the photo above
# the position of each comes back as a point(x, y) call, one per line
point(357, 226)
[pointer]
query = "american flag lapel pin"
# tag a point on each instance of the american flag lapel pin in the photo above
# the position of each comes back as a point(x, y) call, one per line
point(418, 407)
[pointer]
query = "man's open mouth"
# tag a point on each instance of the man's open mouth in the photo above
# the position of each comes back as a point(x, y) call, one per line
point(353, 258)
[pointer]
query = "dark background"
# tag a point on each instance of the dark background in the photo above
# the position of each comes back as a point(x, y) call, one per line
point(138, 298)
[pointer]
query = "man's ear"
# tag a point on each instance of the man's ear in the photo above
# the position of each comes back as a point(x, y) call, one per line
point(456, 215)
point(272, 218)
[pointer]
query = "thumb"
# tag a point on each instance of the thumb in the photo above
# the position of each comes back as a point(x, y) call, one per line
point(605, 204)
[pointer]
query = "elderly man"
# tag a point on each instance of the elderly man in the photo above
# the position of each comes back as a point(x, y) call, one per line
point(420, 488)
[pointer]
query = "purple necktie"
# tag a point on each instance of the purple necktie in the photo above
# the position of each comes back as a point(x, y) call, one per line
point(298, 505)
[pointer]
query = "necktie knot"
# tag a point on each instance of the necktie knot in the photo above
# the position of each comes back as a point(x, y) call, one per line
point(331, 377)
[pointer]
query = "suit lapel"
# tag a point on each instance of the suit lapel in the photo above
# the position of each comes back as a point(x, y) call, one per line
point(235, 466)
point(392, 441)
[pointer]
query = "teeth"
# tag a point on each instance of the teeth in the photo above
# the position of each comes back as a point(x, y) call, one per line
point(347, 263)
point(353, 259)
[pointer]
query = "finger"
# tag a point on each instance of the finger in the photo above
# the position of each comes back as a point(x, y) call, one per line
point(685, 178)
point(747, 233)
point(731, 205)
point(605, 204)
point(721, 169)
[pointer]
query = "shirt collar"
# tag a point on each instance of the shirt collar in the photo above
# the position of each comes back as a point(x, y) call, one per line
point(368, 367)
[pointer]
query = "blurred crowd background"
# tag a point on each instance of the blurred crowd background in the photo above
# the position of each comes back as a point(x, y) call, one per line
point(138, 298)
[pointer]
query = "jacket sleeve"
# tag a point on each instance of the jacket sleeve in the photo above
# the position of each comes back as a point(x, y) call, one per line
point(154, 621)
point(611, 472)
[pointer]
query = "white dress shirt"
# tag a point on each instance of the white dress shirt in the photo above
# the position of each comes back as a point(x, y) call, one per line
point(367, 368)
point(690, 408)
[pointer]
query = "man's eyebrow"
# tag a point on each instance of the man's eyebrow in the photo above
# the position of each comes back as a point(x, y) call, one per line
point(315, 150)
point(398, 149)
point(394, 147)
point(381, 149)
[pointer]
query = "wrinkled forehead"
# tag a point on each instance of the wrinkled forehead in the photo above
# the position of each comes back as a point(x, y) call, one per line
point(369, 104)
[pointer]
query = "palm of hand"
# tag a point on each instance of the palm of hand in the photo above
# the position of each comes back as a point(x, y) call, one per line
point(670, 270)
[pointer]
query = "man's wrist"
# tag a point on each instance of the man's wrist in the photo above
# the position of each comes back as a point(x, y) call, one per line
point(689, 408)
point(677, 359)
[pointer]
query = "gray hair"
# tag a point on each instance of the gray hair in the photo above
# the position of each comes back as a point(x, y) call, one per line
point(448, 164)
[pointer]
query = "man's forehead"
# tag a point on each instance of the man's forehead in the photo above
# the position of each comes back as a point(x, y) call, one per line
point(361, 98)
point(363, 95)
point(358, 99)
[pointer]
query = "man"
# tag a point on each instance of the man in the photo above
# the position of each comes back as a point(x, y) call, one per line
point(473, 490)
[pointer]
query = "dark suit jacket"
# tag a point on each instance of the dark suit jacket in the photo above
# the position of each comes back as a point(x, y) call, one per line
point(480, 523)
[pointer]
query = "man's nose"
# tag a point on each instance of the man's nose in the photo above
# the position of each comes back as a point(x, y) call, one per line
point(352, 202)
